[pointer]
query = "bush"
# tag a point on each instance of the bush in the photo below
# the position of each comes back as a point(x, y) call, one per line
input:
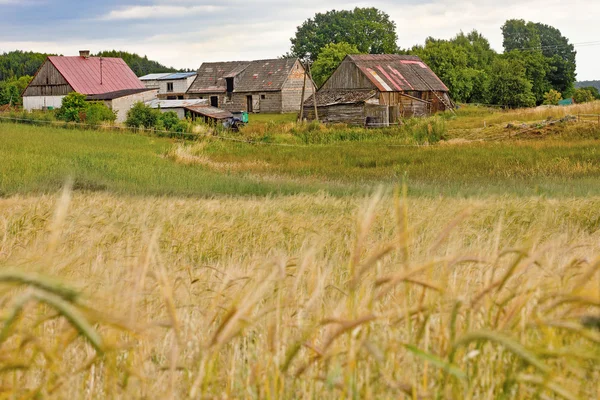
point(98, 112)
point(141, 115)
point(169, 120)
point(583, 96)
point(73, 108)
point(552, 98)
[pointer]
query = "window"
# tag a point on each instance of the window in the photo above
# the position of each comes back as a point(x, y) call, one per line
point(169, 86)
point(214, 101)
point(229, 82)
point(263, 96)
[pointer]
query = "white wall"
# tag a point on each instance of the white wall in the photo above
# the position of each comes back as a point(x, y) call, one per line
point(39, 102)
point(124, 104)
point(179, 86)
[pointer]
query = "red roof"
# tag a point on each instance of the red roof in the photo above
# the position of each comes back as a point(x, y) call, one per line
point(83, 74)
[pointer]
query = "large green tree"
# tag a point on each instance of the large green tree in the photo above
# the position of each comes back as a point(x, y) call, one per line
point(462, 63)
point(16, 64)
point(12, 89)
point(549, 58)
point(369, 29)
point(509, 85)
point(329, 59)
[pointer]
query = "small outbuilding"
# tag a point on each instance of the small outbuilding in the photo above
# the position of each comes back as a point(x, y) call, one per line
point(379, 90)
point(121, 101)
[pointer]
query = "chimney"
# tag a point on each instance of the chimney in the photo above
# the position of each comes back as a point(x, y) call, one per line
point(84, 53)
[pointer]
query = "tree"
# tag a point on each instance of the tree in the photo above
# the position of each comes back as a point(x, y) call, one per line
point(73, 108)
point(16, 64)
point(369, 29)
point(509, 85)
point(549, 58)
point(581, 96)
point(593, 90)
point(11, 90)
point(330, 57)
point(552, 98)
point(462, 63)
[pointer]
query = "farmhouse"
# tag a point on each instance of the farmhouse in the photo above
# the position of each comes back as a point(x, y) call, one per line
point(102, 79)
point(378, 90)
point(268, 86)
point(171, 86)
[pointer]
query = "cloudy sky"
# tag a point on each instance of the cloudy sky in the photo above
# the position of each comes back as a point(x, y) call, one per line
point(184, 33)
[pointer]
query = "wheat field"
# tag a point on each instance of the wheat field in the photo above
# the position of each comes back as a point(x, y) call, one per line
point(305, 296)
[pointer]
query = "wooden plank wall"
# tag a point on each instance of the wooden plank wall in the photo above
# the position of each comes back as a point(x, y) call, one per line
point(48, 82)
point(348, 76)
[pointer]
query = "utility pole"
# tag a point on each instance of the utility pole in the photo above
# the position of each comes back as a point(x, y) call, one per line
point(314, 90)
point(301, 114)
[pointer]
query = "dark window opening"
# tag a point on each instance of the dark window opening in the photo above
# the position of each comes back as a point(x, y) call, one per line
point(179, 97)
point(169, 86)
point(263, 96)
point(214, 101)
point(171, 97)
point(229, 85)
point(249, 104)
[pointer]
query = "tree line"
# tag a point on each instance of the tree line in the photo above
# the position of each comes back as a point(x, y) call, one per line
point(537, 62)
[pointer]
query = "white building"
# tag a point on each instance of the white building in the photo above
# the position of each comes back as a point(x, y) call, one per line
point(171, 86)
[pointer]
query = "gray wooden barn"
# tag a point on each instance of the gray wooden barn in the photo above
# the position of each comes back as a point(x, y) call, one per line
point(379, 90)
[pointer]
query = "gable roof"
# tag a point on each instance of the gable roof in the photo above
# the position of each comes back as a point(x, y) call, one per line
point(83, 74)
point(397, 73)
point(251, 76)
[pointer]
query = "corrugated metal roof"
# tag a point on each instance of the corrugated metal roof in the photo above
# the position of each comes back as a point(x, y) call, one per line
point(397, 73)
point(176, 76)
point(154, 77)
point(211, 112)
point(156, 103)
point(83, 74)
point(336, 96)
point(117, 94)
point(251, 76)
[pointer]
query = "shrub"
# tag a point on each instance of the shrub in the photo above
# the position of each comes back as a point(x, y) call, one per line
point(552, 98)
point(169, 120)
point(141, 115)
point(583, 96)
point(98, 112)
point(73, 108)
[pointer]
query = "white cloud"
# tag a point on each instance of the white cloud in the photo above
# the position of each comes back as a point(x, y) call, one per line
point(158, 11)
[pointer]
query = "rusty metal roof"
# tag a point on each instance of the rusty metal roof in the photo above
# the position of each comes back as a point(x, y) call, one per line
point(337, 96)
point(250, 76)
point(209, 111)
point(83, 74)
point(397, 73)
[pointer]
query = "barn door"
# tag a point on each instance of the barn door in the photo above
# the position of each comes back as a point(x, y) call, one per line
point(256, 103)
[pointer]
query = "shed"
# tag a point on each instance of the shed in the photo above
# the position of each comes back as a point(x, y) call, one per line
point(208, 114)
point(267, 86)
point(178, 106)
point(400, 87)
point(121, 101)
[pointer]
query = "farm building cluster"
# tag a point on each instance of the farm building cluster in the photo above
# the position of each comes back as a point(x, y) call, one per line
point(372, 90)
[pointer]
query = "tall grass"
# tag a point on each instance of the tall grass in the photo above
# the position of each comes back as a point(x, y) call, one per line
point(310, 297)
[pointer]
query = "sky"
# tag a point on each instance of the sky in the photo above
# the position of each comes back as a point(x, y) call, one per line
point(185, 33)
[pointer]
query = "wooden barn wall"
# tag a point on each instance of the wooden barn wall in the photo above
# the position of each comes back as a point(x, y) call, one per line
point(348, 76)
point(48, 82)
point(272, 103)
point(291, 94)
point(351, 114)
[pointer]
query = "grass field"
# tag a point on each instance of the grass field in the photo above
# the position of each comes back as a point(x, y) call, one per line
point(142, 267)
